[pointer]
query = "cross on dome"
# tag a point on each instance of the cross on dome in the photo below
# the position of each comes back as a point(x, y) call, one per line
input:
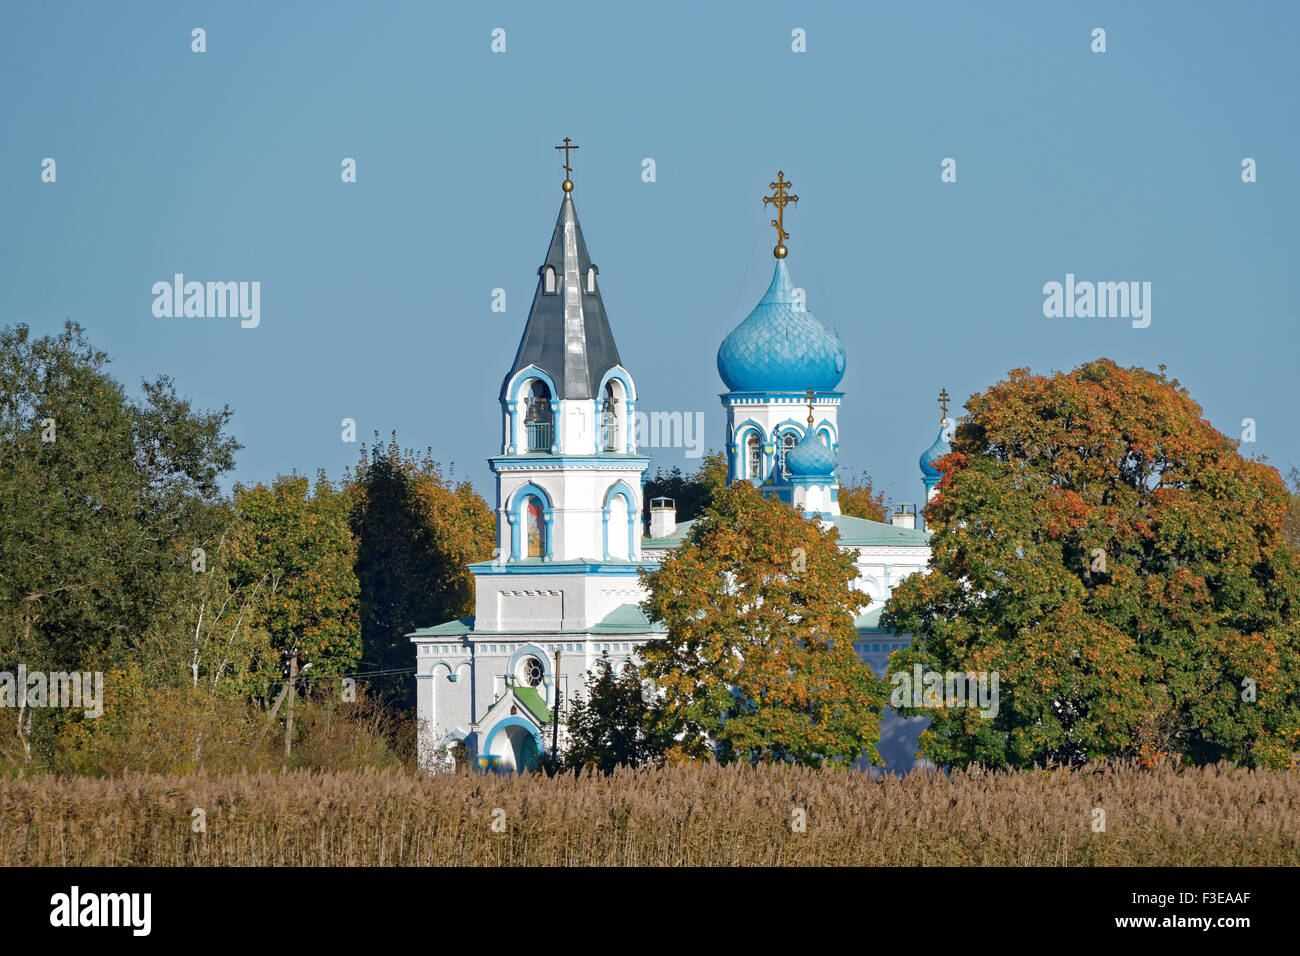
point(780, 200)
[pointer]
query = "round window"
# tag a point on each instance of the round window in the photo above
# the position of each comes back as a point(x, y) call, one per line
point(531, 671)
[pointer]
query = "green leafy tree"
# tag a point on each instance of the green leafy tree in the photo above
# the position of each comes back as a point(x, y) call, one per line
point(691, 494)
point(619, 722)
point(102, 498)
point(1120, 565)
point(293, 549)
point(416, 533)
point(759, 660)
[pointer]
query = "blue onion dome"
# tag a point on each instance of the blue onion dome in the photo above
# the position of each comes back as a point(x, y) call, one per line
point(935, 452)
point(781, 347)
point(810, 458)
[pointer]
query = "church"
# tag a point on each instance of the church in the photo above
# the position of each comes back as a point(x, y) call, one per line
point(563, 591)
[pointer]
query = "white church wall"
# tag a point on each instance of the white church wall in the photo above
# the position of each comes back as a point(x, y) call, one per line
point(773, 414)
point(576, 497)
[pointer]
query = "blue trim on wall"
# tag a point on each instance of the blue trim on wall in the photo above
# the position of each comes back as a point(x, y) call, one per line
point(624, 376)
point(511, 390)
point(778, 398)
point(581, 567)
point(486, 750)
point(521, 461)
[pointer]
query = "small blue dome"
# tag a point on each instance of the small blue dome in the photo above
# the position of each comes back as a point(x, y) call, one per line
point(810, 459)
point(935, 452)
point(780, 348)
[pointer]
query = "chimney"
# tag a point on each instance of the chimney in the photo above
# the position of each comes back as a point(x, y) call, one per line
point(905, 516)
point(663, 517)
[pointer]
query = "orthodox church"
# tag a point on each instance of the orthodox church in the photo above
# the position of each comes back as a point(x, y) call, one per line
point(563, 590)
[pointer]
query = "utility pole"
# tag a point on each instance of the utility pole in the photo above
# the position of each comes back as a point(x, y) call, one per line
point(288, 724)
point(555, 713)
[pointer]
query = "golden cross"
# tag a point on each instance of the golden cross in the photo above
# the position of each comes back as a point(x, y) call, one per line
point(779, 200)
point(810, 408)
point(943, 401)
point(568, 182)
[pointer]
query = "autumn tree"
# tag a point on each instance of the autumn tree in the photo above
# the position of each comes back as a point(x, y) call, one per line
point(859, 499)
point(1120, 565)
point(758, 660)
point(1291, 527)
point(416, 534)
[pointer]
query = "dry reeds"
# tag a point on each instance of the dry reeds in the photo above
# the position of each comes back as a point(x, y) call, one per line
point(674, 816)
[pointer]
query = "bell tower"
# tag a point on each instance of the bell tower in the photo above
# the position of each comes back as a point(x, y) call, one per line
point(568, 477)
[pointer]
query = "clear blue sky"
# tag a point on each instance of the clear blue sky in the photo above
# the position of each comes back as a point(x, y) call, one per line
point(376, 296)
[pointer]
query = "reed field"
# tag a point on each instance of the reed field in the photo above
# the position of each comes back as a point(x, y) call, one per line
point(676, 816)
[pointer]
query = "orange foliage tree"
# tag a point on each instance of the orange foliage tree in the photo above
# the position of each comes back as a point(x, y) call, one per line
point(758, 662)
point(1121, 566)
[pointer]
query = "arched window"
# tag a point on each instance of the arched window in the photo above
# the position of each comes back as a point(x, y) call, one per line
point(753, 456)
point(788, 441)
point(609, 419)
point(591, 279)
point(534, 527)
point(618, 525)
point(548, 280)
point(537, 419)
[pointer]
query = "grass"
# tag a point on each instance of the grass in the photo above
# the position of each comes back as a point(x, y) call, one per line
point(707, 816)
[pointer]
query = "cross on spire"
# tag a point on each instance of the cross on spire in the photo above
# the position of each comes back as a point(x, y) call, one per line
point(779, 200)
point(943, 402)
point(811, 395)
point(568, 182)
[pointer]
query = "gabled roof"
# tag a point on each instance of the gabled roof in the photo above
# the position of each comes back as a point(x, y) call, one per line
point(533, 703)
point(567, 335)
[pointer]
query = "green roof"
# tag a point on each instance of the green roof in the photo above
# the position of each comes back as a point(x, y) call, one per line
point(450, 629)
point(854, 532)
point(673, 540)
point(860, 532)
point(529, 697)
point(869, 621)
point(626, 619)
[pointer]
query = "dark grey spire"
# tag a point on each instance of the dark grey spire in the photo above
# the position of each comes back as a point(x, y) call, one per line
point(567, 335)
